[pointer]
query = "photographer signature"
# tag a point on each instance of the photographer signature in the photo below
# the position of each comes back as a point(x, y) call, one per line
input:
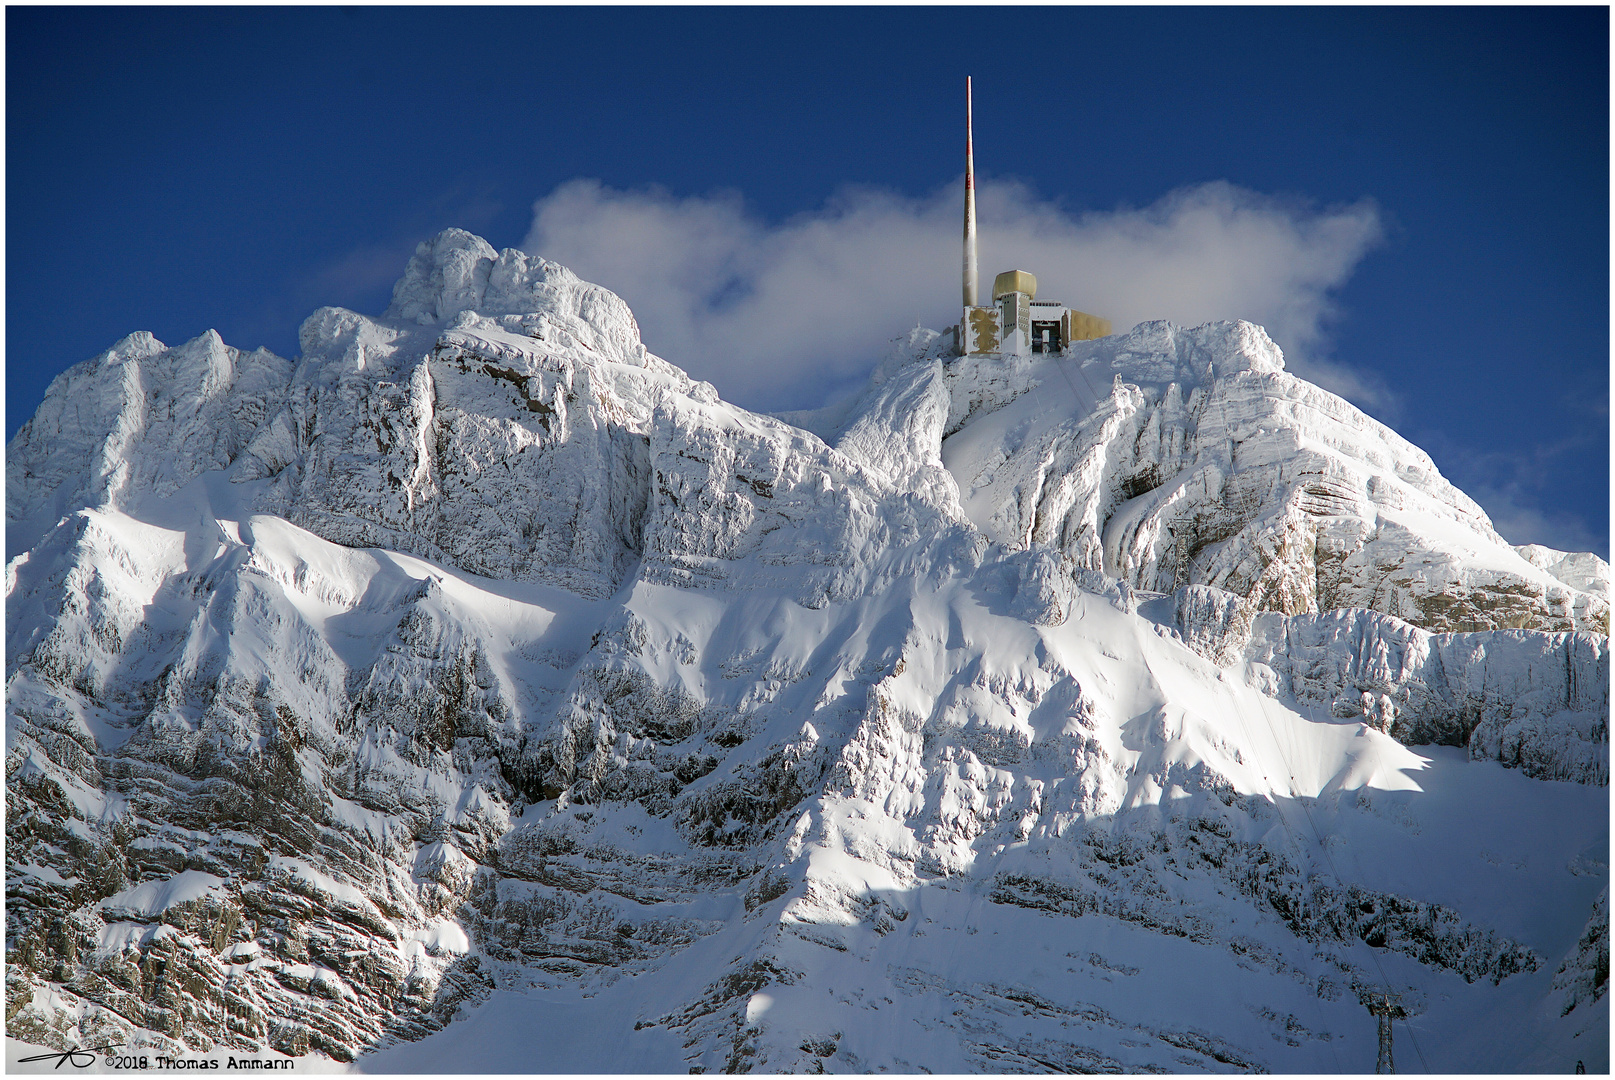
point(86, 1052)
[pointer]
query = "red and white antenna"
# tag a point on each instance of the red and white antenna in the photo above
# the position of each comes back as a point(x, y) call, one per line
point(970, 291)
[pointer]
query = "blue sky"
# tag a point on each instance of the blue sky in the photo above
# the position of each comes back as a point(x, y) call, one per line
point(1414, 201)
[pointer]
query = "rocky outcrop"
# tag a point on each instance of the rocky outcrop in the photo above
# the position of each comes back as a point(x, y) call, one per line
point(1537, 702)
point(1168, 457)
point(1533, 701)
point(1583, 977)
point(139, 419)
point(496, 419)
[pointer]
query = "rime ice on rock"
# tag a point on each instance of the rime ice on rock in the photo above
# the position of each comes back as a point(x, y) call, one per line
point(1168, 457)
point(139, 418)
point(495, 419)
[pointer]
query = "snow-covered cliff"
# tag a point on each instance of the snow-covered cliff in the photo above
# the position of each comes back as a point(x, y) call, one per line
point(481, 690)
point(1204, 462)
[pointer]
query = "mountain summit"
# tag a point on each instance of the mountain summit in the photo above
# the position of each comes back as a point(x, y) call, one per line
point(480, 692)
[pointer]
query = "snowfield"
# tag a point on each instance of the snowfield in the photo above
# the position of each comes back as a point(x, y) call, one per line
point(480, 693)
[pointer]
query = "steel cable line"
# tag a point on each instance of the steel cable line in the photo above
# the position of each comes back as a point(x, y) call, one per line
point(1317, 834)
point(1239, 718)
point(1411, 1034)
point(1323, 1023)
point(1283, 822)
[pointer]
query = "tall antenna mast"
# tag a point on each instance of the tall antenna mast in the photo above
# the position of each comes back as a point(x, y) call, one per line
point(970, 206)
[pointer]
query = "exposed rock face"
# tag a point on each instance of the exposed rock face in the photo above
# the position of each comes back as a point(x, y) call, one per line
point(1533, 701)
point(1583, 978)
point(1206, 463)
point(1537, 702)
point(1215, 624)
point(140, 418)
point(510, 440)
point(484, 662)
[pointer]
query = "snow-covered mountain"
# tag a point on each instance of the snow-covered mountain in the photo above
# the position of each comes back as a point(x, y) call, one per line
point(480, 692)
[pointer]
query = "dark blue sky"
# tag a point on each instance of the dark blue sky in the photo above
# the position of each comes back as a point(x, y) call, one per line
point(179, 169)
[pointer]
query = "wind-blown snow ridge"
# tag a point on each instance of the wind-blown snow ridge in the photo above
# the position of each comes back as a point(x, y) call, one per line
point(482, 683)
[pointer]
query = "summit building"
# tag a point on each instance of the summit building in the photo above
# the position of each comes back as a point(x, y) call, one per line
point(1016, 322)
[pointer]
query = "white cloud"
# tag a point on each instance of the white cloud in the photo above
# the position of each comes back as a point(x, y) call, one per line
point(779, 316)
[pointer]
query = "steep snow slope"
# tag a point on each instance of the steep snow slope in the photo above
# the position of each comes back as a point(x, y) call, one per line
point(497, 688)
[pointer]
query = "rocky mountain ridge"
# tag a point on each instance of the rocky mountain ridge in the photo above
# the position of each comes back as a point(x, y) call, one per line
point(482, 661)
